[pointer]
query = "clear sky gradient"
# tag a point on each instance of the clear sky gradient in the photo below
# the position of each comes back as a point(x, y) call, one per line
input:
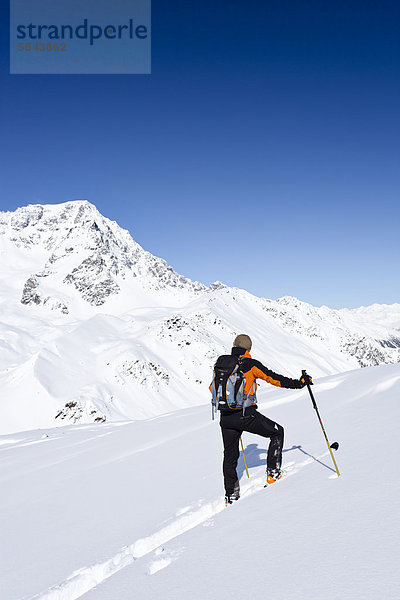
point(263, 150)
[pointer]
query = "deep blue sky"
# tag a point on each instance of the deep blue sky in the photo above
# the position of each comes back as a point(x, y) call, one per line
point(263, 150)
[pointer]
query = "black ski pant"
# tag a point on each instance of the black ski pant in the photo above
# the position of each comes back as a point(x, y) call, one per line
point(232, 426)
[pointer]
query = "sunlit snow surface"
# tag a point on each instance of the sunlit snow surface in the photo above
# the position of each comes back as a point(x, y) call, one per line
point(110, 464)
point(135, 510)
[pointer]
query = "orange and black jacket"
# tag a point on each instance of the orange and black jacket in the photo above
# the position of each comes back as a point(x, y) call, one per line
point(253, 369)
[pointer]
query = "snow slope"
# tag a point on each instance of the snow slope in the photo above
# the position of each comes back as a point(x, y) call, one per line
point(93, 328)
point(135, 509)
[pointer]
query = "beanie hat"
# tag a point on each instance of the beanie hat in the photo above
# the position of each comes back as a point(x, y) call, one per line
point(242, 341)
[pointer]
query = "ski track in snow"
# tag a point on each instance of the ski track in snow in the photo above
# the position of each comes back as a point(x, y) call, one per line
point(85, 579)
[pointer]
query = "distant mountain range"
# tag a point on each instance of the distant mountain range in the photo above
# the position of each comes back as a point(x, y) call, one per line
point(93, 327)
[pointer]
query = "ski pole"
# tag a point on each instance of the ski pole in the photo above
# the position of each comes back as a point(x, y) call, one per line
point(244, 458)
point(335, 445)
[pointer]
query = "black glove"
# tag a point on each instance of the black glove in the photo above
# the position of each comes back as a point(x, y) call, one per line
point(304, 380)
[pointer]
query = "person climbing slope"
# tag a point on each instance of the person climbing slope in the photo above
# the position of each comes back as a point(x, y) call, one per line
point(233, 391)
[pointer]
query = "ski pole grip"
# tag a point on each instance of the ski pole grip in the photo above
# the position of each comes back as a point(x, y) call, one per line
point(304, 374)
point(306, 378)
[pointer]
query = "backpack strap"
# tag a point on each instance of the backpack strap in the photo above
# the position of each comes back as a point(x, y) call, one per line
point(238, 381)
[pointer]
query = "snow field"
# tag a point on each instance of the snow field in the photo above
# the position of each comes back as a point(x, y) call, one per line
point(89, 577)
point(136, 509)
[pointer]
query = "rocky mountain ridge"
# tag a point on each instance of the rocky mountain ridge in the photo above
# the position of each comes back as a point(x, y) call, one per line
point(359, 331)
point(87, 252)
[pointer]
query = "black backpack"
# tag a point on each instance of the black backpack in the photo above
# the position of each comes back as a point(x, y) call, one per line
point(228, 384)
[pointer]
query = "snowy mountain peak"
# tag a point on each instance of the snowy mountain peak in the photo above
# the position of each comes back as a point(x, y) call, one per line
point(78, 254)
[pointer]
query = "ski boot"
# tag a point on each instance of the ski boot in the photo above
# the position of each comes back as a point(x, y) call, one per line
point(272, 476)
point(230, 498)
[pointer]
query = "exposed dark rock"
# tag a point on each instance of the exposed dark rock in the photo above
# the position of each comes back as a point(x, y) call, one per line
point(29, 294)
